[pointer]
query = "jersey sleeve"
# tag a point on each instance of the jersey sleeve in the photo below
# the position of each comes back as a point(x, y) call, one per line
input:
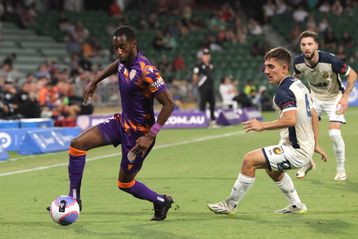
point(339, 66)
point(285, 99)
point(153, 78)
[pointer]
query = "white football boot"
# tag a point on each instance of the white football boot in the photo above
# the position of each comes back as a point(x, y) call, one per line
point(223, 207)
point(340, 176)
point(300, 209)
point(301, 173)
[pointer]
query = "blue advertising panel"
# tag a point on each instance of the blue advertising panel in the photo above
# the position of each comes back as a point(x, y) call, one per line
point(3, 154)
point(41, 141)
point(353, 97)
point(11, 139)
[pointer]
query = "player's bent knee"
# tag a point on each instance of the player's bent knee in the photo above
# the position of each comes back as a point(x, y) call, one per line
point(76, 143)
point(248, 161)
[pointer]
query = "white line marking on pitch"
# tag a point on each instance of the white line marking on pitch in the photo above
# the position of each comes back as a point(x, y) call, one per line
point(117, 154)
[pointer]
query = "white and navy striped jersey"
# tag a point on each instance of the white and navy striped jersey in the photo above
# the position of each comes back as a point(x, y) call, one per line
point(323, 78)
point(292, 94)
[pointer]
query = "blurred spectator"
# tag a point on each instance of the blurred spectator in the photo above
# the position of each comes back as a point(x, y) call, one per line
point(325, 7)
point(72, 45)
point(281, 7)
point(7, 74)
point(329, 39)
point(341, 53)
point(8, 102)
point(114, 9)
point(228, 92)
point(265, 101)
point(80, 33)
point(10, 59)
point(170, 42)
point(73, 5)
point(311, 24)
point(2, 11)
point(43, 71)
point(346, 40)
point(323, 25)
point(300, 14)
point(348, 10)
point(165, 67)
point(257, 49)
point(158, 42)
point(294, 34)
point(28, 106)
point(179, 63)
point(250, 89)
point(337, 8)
point(254, 27)
point(269, 9)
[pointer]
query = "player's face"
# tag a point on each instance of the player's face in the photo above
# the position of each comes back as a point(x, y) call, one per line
point(308, 47)
point(124, 49)
point(275, 71)
point(206, 58)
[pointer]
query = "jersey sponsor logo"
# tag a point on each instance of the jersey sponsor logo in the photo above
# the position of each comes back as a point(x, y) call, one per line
point(132, 74)
point(277, 150)
point(320, 85)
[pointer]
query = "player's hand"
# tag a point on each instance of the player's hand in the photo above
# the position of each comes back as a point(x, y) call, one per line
point(342, 105)
point(89, 90)
point(320, 151)
point(142, 145)
point(253, 125)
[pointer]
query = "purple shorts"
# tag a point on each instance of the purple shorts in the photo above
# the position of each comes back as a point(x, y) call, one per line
point(114, 134)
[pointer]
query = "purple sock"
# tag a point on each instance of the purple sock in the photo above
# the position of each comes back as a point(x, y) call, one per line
point(139, 190)
point(75, 171)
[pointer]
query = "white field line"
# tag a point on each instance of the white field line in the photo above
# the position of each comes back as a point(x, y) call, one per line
point(117, 154)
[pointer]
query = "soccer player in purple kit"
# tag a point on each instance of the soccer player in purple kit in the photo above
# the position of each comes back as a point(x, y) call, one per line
point(135, 128)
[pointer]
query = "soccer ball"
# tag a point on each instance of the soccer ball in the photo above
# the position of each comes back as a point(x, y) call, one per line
point(64, 210)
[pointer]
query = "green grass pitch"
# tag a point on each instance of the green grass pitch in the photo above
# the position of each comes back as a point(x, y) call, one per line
point(194, 166)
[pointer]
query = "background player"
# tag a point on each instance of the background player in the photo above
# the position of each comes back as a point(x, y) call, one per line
point(204, 79)
point(298, 122)
point(135, 128)
point(322, 72)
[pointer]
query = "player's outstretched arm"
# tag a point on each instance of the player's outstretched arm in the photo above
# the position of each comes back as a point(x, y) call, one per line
point(144, 142)
point(343, 103)
point(101, 75)
point(288, 119)
point(168, 105)
point(315, 128)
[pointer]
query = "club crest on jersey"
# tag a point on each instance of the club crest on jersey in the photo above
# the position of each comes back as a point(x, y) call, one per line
point(132, 74)
point(277, 150)
point(325, 74)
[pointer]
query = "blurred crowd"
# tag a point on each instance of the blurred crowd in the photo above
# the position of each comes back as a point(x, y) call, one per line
point(55, 92)
point(49, 92)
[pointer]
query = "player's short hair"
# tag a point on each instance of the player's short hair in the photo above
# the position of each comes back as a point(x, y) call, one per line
point(312, 34)
point(127, 31)
point(280, 54)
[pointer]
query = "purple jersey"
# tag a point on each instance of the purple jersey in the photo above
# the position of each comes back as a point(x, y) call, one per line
point(138, 84)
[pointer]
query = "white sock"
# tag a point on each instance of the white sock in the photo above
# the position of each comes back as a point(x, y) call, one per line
point(338, 148)
point(242, 184)
point(286, 186)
